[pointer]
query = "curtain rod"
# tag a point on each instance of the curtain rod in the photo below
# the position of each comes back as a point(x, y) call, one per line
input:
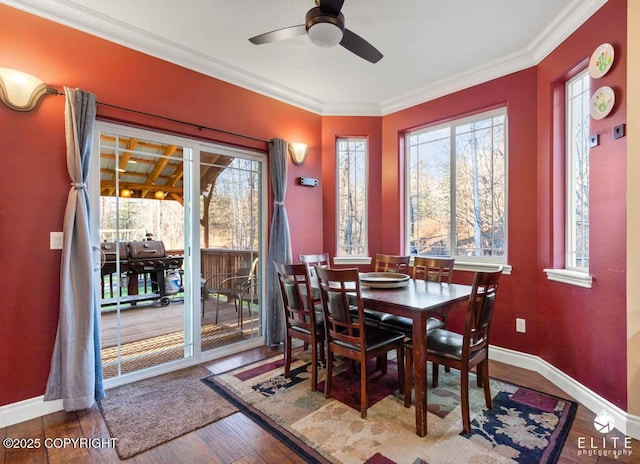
point(54, 91)
point(186, 123)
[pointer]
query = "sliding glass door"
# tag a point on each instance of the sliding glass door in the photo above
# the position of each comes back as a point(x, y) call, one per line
point(143, 235)
point(231, 244)
point(181, 234)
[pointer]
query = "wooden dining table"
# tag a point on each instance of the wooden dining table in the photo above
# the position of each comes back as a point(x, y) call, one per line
point(418, 300)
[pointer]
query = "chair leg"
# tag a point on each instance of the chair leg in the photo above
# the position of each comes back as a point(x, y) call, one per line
point(485, 380)
point(217, 306)
point(401, 377)
point(434, 374)
point(464, 399)
point(363, 389)
point(314, 366)
point(287, 357)
point(323, 357)
point(408, 378)
point(327, 382)
point(383, 363)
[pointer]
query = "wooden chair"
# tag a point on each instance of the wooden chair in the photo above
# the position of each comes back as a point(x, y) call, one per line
point(467, 350)
point(391, 263)
point(303, 321)
point(385, 263)
point(432, 270)
point(348, 336)
point(311, 261)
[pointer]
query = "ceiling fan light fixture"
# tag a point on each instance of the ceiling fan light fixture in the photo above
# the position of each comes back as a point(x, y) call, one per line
point(324, 30)
point(325, 34)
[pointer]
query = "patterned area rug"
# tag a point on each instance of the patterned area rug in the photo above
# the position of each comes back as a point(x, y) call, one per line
point(164, 348)
point(523, 426)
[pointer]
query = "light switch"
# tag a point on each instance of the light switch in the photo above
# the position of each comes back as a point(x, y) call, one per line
point(55, 240)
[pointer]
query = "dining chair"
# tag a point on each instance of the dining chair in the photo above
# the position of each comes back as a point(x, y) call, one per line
point(467, 350)
point(321, 259)
point(385, 263)
point(432, 270)
point(391, 263)
point(349, 336)
point(303, 320)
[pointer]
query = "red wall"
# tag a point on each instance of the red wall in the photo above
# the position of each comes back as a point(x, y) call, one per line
point(580, 331)
point(35, 182)
point(517, 92)
point(583, 331)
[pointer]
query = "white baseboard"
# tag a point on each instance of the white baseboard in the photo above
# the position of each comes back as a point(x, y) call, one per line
point(627, 424)
point(28, 409)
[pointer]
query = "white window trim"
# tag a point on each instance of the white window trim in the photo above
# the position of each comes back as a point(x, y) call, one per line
point(352, 259)
point(570, 228)
point(568, 276)
point(470, 263)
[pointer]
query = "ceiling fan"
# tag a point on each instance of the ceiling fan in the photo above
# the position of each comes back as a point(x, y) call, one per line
point(324, 24)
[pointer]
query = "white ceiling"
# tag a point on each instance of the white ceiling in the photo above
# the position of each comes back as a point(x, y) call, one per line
point(430, 47)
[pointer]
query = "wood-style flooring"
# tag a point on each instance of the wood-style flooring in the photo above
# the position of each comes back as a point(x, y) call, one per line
point(236, 439)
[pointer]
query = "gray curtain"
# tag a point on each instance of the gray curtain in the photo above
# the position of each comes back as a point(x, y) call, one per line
point(279, 241)
point(76, 368)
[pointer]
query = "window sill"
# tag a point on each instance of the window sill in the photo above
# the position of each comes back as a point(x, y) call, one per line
point(351, 260)
point(577, 278)
point(476, 266)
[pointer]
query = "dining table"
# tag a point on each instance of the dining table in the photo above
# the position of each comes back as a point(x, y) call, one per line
point(418, 300)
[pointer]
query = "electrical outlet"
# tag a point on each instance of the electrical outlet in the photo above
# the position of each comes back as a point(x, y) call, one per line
point(521, 325)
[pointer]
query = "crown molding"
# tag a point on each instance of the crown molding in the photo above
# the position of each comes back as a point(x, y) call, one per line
point(90, 21)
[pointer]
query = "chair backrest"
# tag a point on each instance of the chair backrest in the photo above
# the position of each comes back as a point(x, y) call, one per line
point(321, 260)
point(297, 297)
point(338, 290)
point(433, 269)
point(480, 312)
point(391, 263)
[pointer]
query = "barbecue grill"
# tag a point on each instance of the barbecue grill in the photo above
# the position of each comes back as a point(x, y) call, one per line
point(134, 259)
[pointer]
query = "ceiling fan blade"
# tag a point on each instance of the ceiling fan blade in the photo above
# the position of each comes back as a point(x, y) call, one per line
point(330, 6)
point(356, 44)
point(279, 34)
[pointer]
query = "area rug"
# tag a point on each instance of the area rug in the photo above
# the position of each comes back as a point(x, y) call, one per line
point(523, 426)
point(145, 414)
point(163, 348)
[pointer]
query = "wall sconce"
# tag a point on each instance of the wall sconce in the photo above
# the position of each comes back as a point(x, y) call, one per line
point(159, 195)
point(20, 91)
point(126, 193)
point(298, 152)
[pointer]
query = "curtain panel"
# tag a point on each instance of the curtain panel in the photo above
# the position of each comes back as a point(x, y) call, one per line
point(76, 369)
point(279, 241)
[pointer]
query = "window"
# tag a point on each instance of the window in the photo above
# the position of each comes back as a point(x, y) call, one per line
point(577, 167)
point(352, 196)
point(457, 190)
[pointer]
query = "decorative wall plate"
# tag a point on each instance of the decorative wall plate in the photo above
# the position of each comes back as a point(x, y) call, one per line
point(601, 61)
point(602, 102)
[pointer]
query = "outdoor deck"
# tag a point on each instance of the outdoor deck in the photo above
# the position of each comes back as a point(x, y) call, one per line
point(152, 334)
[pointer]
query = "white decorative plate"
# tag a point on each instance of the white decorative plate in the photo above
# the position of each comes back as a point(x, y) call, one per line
point(383, 279)
point(601, 61)
point(602, 102)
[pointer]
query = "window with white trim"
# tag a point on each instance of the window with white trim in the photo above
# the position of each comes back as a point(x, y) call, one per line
point(577, 168)
point(456, 189)
point(351, 169)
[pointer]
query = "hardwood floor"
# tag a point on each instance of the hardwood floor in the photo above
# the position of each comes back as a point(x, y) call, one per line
point(236, 439)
